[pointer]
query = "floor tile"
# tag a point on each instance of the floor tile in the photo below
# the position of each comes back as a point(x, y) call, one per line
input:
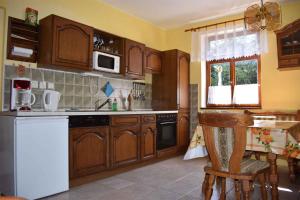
point(172, 179)
point(116, 183)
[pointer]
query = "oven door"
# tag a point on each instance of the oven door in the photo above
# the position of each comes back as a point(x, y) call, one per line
point(166, 135)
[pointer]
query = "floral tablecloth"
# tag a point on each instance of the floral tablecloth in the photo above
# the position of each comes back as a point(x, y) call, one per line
point(265, 136)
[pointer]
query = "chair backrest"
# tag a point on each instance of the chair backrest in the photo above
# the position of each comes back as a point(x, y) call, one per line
point(276, 115)
point(225, 139)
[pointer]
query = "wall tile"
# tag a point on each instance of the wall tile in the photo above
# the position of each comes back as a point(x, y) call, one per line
point(75, 88)
point(59, 77)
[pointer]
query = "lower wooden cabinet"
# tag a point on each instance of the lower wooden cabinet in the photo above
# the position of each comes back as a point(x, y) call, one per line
point(148, 141)
point(129, 140)
point(89, 150)
point(183, 130)
point(125, 145)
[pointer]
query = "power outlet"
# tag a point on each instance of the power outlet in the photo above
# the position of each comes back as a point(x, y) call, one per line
point(34, 84)
point(50, 85)
point(43, 85)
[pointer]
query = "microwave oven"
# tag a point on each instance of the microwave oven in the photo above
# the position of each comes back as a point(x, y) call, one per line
point(106, 62)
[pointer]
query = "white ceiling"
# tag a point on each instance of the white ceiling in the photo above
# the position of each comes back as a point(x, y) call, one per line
point(175, 13)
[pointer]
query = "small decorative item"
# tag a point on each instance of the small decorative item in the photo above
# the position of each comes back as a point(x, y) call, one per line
point(31, 16)
point(21, 70)
point(107, 89)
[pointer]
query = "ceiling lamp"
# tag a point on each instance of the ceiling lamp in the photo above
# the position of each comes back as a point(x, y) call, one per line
point(266, 16)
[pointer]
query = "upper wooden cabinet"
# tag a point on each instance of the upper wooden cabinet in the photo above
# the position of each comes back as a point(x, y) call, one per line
point(133, 66)
point(65, 43)
point(153, 61)
point(170, 89)
point(183, 80)
point(89, 150)
point(288, 44)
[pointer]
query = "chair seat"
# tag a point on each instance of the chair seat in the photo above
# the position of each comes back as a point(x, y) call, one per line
point(250, 166)
point(253, 166)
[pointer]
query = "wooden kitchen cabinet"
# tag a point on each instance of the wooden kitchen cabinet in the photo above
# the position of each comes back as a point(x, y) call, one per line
point(133, 66)
point(88, 150)
point(65, 43)
point(125, 145)
point(153, 61)
point(170, 89)
point(183, 81)
point(183, 130)
point(288, 45)
point(148, 137)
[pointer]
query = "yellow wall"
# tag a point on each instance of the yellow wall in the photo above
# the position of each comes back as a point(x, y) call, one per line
point(2, 22)
point(93, 13)
point(280, 89)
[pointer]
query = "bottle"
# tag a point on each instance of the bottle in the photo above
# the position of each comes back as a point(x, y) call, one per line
point(129, 100)
point(115, 105)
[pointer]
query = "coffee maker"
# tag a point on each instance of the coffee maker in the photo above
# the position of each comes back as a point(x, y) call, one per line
point(21, 97)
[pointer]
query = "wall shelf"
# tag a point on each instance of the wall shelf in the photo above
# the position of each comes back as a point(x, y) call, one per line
point(288, 45)
point(22, 35)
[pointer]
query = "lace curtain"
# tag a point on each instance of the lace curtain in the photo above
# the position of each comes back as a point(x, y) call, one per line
point(246, 94)
point(230, 41)
point(219, 95)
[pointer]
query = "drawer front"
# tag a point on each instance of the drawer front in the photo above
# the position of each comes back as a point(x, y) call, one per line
point(124, 120)
point(288, 62)
point(149, 119)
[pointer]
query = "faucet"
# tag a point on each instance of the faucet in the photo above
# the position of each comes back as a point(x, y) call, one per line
point(107, 101)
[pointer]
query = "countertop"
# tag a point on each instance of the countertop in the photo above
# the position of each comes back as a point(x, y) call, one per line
point(83, 112)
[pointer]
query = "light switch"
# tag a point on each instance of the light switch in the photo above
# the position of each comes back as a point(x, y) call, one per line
point(43, 85)
point(50, 85)
point(34, 84)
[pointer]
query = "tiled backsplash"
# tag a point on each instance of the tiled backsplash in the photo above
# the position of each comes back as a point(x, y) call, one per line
point(193, 108)
point(78, 91)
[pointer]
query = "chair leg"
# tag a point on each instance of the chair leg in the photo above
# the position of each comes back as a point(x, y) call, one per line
point(237, 189)
point(246, 189)
point(205, 182)
point(223, 189)
point(209, 189)
point(261, 179)
point(291, 164)
point(257, 155)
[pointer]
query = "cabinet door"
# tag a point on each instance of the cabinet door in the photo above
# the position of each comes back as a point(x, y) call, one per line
point(125, 145)
point(88, 150)
point(148, 141)
point(72, 44)
point(134, 59)
point(183, 80)
point(153, 61)
point(183, 130)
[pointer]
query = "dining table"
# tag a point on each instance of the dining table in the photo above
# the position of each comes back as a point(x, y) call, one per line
point(273, 137)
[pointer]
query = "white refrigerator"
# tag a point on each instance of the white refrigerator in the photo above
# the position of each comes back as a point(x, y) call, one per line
point(34, 156)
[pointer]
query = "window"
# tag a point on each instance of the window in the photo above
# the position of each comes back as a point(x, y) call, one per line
point(230, 65)
point(233, 83)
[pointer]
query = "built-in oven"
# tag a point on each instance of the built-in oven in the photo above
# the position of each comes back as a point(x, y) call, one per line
point(106, 62)
point(166, 130)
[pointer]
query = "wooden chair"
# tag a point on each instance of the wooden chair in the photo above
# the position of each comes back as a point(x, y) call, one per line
point(225, 139)
point(282, 116)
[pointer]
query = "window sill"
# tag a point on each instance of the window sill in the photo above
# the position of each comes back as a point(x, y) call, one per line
point(229, 108)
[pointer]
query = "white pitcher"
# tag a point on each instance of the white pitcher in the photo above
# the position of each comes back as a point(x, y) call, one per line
point(50, 100)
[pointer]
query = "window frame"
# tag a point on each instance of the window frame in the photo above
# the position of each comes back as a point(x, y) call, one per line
point(233, 81)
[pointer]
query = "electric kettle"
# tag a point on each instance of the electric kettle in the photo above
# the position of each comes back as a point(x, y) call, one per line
point(50, 100)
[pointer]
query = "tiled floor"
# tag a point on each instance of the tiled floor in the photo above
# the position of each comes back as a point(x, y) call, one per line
point(172, 179)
